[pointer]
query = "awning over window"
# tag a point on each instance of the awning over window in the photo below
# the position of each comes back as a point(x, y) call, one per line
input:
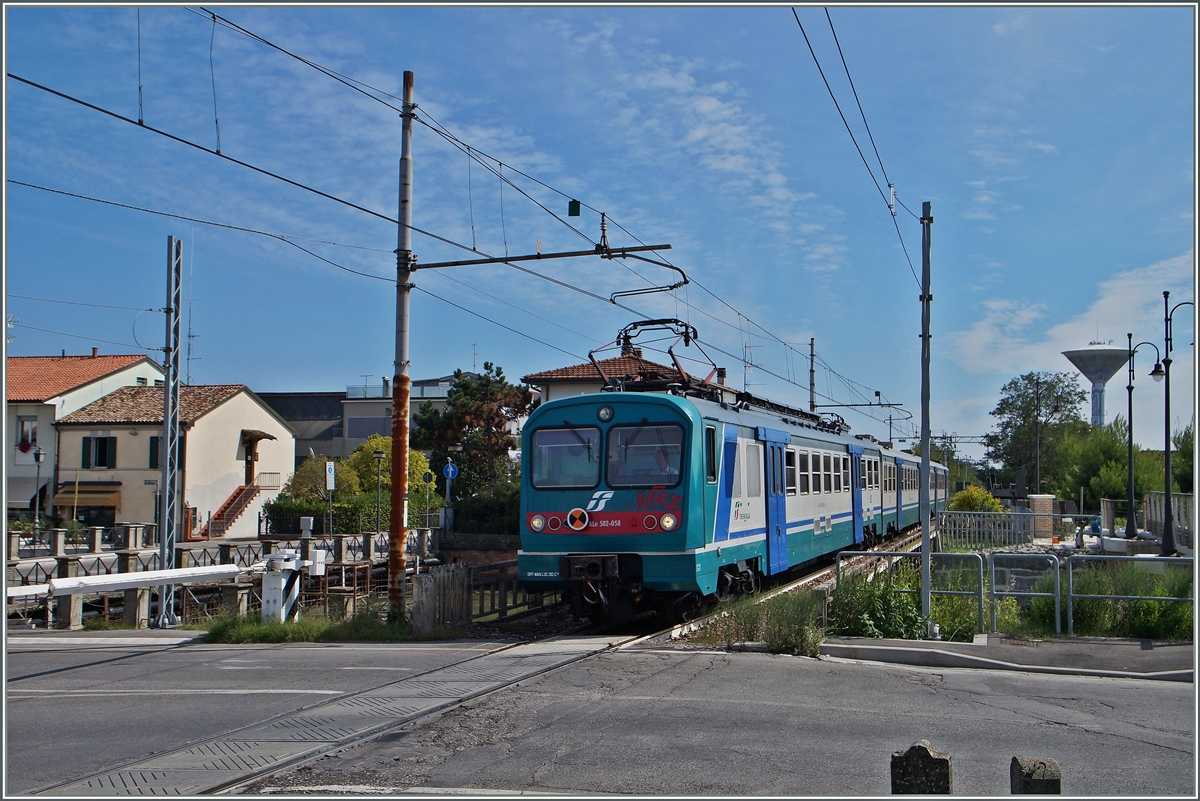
point(86, 498)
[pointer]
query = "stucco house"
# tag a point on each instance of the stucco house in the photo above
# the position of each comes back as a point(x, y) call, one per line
point(43, 389)
point(235, 454)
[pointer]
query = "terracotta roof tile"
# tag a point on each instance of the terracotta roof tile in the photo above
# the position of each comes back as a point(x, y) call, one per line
point(145, 405)
point(629, 366)
point(39, 378)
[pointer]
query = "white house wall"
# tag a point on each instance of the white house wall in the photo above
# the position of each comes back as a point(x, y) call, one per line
point(216, 456)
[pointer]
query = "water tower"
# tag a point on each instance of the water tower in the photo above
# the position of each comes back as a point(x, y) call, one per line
point(1098, 362)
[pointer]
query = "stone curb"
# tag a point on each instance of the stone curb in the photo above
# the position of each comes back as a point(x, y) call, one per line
point(935, 657)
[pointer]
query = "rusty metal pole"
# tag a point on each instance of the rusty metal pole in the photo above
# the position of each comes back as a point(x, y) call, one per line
point(401, 383)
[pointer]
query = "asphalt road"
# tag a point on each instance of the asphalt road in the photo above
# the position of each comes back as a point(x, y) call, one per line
point(672, 722)
point(78, 704)
point(683, 723)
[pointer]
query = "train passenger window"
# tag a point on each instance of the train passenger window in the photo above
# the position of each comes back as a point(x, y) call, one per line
point(802, 472)
point(789, 471)
point(645, 455)
point(753, 470)
point(846, 472)
point(827, 462)
point(710, 454)
point(565, 457)
point(837, 473)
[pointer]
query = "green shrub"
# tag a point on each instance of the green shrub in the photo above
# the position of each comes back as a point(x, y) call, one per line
point(787, 624)
point(874, 608)
point(974, 498)
point(1100, 617)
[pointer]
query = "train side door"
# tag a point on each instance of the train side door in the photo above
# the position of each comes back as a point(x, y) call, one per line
point(776, 496)
point(856, 490)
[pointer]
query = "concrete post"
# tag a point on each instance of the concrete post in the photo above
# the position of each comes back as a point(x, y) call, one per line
point(58, 541)
point(94, 539)
point(921, 771)
point(1034, 776)
point(68, 612)
point(339, 549)
point(137, 608)
point(236, 599)
point(225, 553)
point(66, 566)
point(14, 545)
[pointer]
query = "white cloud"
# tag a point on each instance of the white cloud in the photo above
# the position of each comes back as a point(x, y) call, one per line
point(1001, 342)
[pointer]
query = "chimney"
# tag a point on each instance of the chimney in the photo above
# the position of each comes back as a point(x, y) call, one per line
point(386, 391)
point(95, 352)
point(64, 353)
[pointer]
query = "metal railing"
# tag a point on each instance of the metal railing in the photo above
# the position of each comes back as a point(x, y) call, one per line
point(986, 531)
point(1026, 557)
point(891, 555)
point(1181, 514)
point(1141, 560)
point(267, 480)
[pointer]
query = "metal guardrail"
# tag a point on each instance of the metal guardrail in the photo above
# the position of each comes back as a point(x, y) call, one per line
point(978, 593)
point(1144, 560)
point(1037, 557)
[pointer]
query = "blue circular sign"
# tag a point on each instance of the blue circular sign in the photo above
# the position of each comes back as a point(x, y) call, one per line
point(450, 470)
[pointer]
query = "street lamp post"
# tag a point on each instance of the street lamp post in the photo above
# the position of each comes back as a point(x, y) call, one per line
point(1168, 535)
point(39, 457)
point(1157, 374)
point(379, 456)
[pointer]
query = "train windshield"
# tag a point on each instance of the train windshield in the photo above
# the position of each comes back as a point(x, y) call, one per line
point(565, 457)
point(645, 455)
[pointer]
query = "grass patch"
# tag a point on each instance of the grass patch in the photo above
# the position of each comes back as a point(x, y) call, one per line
point(364, 627)
point(787, 624)
point(1098, 617)
point(106, 624)
point(888, 605)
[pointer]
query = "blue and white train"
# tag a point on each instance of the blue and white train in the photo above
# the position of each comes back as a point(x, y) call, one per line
point(634, 500)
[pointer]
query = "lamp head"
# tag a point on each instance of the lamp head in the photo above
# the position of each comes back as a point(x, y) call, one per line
point(379, 455)
point(1157, 373)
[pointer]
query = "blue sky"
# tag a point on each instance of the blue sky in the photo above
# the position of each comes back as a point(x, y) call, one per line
point(1055, 144)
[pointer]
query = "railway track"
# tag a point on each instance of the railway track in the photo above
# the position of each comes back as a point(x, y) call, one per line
point(243, 756)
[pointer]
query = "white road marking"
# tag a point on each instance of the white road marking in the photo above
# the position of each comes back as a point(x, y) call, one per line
point(174, 691)
point(375, 668)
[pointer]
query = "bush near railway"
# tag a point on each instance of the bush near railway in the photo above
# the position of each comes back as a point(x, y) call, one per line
point(786, 624)
point(1151, 620)
point(974, 498)
point(364, 627)
point(888, 605)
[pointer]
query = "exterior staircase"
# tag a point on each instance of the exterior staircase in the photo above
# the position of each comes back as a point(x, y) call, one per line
point(230, 511)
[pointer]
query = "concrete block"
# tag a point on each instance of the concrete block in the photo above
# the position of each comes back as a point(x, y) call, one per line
point(236, 600)
point(137, 608)
point(921, 771)
point(1034, 776)
point(68, 612)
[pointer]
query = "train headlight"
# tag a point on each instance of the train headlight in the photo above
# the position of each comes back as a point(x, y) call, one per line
point(537, 523)
point(668, 522)
point(605, 413)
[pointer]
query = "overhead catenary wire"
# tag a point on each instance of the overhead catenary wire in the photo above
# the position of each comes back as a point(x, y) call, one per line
point(393, 221)
point(78, 303)
point(79, 336)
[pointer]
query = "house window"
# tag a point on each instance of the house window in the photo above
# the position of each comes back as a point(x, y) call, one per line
point(158, 382)
point(141, 381)
point(99, 453)
point(26, 431)
point(154, 452)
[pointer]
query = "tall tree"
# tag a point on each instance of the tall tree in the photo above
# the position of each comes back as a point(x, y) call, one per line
point(1182, 458)
point(308, 482)
point(1035, 402)
point(480, 411)
point(422, 497)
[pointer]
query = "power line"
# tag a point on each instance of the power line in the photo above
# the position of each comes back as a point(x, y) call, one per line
point(77, 336)
point(838, 106)
point(861, 113)
point(494, 322)
point(77, 303)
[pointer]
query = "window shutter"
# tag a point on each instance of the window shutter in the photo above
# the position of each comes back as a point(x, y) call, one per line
point(112, 452)
point(154, 453)
point(85, 461)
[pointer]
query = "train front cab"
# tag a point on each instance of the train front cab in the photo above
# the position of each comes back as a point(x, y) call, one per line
point(610, 501)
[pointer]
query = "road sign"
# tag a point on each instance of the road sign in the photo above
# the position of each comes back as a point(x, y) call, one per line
point(450, 470)
point(329, 479)
point(427, 478)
